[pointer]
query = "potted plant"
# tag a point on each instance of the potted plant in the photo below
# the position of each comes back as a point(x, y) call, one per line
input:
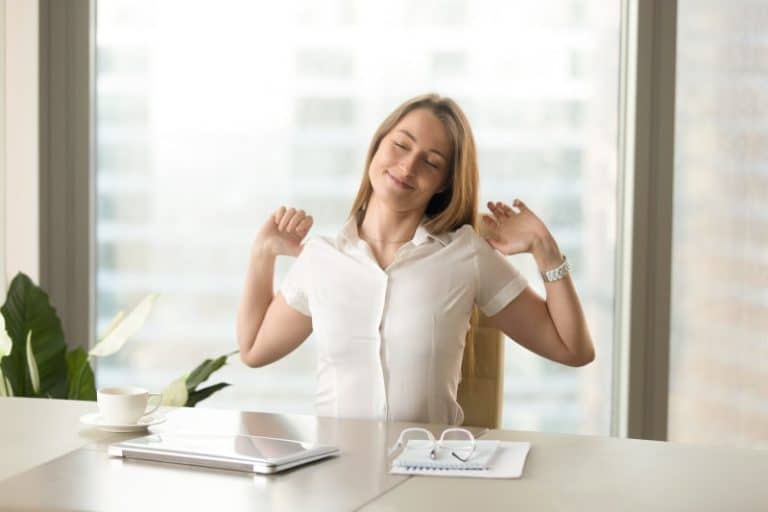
point(35, 362)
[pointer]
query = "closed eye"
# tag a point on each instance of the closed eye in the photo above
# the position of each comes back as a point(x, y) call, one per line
point(403, 147)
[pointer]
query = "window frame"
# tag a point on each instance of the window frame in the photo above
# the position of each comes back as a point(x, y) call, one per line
point(644, 237)
point(67, 164)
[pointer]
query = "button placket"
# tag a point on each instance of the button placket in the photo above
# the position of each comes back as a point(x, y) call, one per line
point(403, 254)
point(383, 346)
point(383, 276)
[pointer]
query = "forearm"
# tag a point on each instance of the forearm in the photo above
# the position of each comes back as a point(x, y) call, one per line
point(563, 304)
point(256, 298)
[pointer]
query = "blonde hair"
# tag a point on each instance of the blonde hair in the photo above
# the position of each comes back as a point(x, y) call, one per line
point(457, 204)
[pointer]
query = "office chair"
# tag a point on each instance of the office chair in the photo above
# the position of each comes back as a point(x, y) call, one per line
point(481, 389)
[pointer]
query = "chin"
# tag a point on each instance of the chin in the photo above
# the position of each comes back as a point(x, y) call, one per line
point(398, 202)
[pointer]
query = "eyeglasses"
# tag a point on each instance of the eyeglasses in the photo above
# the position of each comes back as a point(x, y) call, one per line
point(465, 446)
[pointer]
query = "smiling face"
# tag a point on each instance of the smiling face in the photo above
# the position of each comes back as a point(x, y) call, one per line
point(412, 162)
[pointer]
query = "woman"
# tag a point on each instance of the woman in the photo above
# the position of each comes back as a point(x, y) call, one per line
point(390, 298)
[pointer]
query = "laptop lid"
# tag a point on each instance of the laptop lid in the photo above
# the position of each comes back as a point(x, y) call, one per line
point(240, 452)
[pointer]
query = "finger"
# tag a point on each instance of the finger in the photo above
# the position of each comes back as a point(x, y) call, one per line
point(490, 221)
point(297, 217)
point(498, 214)
point(286, 218)
point(524, 208)
point(507, 210)
point(500, 209)
point(278, 214)
point(305, 225)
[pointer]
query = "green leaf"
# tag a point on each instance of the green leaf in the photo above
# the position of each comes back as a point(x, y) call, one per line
point(82, 385)
point(203, 371)
point(123, 327)
point(202, 394)
point(114, 323)
point(5, 386)
point(34, 374)
point(175, 393)
point(27, 308)
point(5, 340)
point(5, 349)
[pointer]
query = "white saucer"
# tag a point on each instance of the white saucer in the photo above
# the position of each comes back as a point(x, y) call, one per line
point(94, 419)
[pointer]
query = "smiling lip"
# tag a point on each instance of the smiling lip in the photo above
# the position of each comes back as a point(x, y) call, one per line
point(401, 184)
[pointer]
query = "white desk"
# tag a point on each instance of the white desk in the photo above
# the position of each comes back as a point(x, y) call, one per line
point(50, 461)
point(87, 478)
point(574, 473)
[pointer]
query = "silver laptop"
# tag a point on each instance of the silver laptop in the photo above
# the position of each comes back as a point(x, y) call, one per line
point(240, 452)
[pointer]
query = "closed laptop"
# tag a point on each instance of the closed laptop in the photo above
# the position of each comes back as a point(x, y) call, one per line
point(240, 452)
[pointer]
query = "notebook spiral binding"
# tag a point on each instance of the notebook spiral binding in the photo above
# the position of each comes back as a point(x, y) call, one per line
point(444, 468)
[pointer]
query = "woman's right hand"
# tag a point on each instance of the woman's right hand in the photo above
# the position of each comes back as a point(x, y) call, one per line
point(283, 232)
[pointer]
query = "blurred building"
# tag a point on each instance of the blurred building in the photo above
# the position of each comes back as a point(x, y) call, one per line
point(719, 357)
point(201, 135)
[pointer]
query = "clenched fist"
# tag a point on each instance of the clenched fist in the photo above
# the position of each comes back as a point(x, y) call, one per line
point(283, 232)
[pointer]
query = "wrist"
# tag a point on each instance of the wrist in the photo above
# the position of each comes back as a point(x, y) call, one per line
point(261, 250)
point(546, 252)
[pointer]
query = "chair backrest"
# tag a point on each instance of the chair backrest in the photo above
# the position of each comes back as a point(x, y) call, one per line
point(481, 391)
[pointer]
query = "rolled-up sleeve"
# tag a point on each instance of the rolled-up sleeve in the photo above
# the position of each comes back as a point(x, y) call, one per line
point(498, 282)
point(295, 286)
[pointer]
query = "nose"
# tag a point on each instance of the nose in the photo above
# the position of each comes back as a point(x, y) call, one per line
point(408, 164)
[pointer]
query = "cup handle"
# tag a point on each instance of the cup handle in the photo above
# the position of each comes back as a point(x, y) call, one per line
point(157, 406)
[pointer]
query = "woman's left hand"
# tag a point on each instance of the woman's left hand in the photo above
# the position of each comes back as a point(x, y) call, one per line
point(513, 232)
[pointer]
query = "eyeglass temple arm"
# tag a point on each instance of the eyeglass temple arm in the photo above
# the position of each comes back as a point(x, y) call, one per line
point(394, 447)
point(399, 442)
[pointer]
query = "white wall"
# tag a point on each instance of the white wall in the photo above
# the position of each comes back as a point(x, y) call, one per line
point(3, 284)
point(19, 155)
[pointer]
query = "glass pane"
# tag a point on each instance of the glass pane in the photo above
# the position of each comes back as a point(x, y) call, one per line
point(204, 127)
point(719, 348)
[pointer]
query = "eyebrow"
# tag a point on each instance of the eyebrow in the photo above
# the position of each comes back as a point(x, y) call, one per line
point(409, 134)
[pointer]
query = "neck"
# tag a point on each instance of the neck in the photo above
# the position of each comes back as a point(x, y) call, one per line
point(383, 225)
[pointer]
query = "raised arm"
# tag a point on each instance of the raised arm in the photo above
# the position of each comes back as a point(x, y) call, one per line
point(554, 328)
point(268, 328)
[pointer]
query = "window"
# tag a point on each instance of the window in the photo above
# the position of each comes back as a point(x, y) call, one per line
point(204, 127)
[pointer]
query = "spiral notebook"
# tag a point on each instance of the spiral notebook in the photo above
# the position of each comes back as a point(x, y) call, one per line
point(491, 459)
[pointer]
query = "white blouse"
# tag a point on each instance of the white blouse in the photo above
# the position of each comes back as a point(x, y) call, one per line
point(391, 342)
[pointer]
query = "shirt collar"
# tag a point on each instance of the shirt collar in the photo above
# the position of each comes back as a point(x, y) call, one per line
point(350, 234)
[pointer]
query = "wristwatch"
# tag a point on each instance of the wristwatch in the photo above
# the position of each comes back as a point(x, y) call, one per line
point(557, 273)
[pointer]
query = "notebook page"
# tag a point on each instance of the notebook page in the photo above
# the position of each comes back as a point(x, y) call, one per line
point(508, 462)
point(416, 454)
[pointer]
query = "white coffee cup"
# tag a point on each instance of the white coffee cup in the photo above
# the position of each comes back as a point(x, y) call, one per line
point(125, 405)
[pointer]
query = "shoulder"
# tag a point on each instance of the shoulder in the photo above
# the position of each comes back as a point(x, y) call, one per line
point(319, 247)
point(463, 236)
point(474, 246)
point(317, 242)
